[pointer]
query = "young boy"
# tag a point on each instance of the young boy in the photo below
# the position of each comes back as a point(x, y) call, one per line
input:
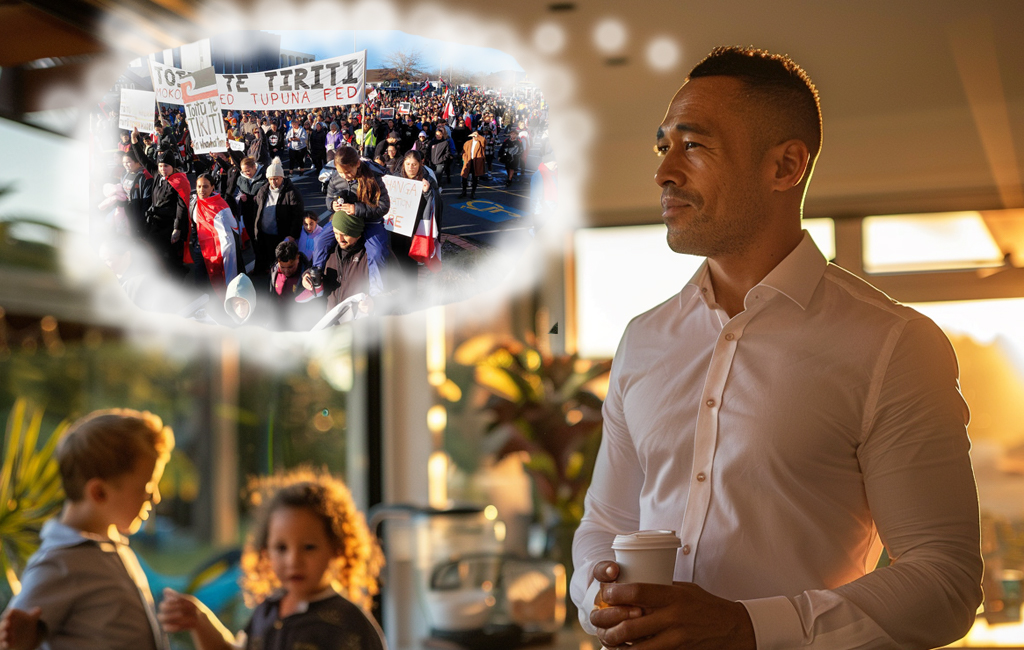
point(84, 587)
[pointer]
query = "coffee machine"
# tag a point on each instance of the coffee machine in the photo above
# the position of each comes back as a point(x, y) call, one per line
point(447, 582)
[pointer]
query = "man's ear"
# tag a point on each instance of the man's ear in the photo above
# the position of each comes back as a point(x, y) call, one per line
point(788, 164)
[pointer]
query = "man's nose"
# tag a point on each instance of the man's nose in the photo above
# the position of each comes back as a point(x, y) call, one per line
point(670, 171)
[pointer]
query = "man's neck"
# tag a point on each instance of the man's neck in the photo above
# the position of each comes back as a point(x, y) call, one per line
point(734, 275)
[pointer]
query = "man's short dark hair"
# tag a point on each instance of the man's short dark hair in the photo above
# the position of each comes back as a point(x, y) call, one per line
point(286, 251)
point(780, 85)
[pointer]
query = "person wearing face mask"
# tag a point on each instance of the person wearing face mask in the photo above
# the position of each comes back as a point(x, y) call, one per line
point(278, 215)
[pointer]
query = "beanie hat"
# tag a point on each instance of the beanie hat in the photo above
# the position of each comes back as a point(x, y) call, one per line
point(167, 158)
point(348, 224)
point(275, 168)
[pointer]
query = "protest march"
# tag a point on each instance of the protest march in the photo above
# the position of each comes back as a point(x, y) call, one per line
point(291, 195)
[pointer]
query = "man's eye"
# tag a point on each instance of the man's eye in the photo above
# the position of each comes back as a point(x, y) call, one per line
point(660, 149)
point(690, 145)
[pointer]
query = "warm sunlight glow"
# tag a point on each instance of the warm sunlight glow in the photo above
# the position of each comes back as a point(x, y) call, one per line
point(928, 242)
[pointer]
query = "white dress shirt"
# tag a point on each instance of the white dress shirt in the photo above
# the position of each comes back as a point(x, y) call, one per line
point(780, 444)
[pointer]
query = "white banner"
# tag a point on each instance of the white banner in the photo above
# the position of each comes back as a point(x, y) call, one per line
point(202, 112)
point(405, 198)
point(236, 145)
point(138, 109)
point(331, 82)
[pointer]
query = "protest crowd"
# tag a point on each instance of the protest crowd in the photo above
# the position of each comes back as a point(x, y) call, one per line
point(233, 224)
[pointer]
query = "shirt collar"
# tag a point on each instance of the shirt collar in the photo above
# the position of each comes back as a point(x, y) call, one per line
point(796, 276)
point(303, 605)
point(56, 534)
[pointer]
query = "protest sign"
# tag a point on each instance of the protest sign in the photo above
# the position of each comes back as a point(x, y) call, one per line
point(387, 113)
point(405, 108)
point(236, 145)
point(138, 109)
point(332, 82)
point(405, 195)
point(202, 111)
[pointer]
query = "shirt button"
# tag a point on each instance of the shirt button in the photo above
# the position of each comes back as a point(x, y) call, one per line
point(730, 336)
point(701, 477)
point(710, 402)
point(686, 549)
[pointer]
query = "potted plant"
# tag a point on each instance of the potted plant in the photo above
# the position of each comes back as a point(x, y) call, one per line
point(546, 409)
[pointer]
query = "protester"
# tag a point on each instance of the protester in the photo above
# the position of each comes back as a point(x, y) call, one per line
point(214, 243)
point(138, 189)
point(310, 231)
point(473, 162)
point(509, 153)
point(278, 215)
point(318, 146)
point(358, 189)
point(440, 155)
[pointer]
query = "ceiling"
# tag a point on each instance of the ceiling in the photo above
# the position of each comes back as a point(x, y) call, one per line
point(922, 101)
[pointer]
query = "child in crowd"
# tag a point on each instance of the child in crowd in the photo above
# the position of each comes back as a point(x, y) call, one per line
point(307, 238)
point(311, 564)
point(84, 587)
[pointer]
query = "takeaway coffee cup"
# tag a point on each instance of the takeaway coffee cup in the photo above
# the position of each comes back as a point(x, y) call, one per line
point(646, 556)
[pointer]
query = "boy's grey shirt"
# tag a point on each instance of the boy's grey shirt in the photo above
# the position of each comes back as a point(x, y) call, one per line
point(87, 595)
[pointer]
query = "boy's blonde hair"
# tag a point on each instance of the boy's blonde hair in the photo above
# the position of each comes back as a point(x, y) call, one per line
point(108, 444)
point(353, 574)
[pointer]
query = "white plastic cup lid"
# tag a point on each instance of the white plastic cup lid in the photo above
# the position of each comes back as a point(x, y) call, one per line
point(646, 539)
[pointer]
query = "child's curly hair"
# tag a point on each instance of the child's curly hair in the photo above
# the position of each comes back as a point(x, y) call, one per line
point(359, 562)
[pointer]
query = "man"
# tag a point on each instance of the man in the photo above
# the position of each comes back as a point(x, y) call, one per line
point(318, 146)
point(346, 272)
point(382, 146)
point(278, 215)
point(776, 413)
point(473, 162)
point(297, 140)
point(286, 274)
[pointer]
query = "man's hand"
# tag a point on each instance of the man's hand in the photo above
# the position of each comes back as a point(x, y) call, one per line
point(19, 630)
point(336, 205)
point(135, 135)
point(663, 617)
point(175, 236)
point(348, 208)
point(178, 612)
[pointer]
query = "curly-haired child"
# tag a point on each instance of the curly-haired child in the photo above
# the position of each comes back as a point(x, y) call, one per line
point(310, 563)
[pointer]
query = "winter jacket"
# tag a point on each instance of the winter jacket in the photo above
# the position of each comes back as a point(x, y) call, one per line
point(289, 211)
point(348, 192)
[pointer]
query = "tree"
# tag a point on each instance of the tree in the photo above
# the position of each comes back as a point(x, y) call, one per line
point(404, 65)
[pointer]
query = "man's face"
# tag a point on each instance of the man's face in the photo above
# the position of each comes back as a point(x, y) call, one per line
point(130, 165)
point(713, 191)
point(289, 268)
point(345, 241)
point(276, 181)
point(165, 169)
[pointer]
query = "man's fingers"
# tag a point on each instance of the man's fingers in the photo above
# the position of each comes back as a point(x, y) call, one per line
point(606, 571)
point(639, 594)
point(609, 617)
point(35, 613)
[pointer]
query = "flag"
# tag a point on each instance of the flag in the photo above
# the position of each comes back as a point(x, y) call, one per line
point(425, 88)
point(449, 111)
point(372, 95)
point(424, 247)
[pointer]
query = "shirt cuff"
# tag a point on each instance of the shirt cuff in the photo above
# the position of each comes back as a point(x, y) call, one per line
point(589, 602)
point(776, 623)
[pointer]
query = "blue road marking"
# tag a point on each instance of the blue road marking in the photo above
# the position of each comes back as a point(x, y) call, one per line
point(494, 212)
